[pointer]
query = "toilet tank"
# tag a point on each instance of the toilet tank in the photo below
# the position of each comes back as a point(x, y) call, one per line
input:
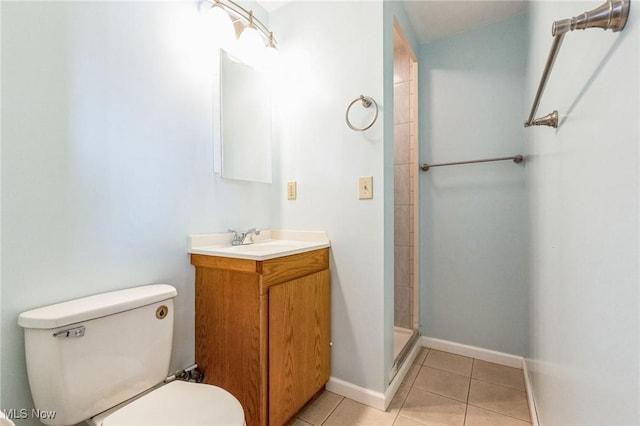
point(87, 355)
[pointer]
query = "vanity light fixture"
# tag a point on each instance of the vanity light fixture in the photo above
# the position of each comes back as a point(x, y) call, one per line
point(221, 25)
point(253, 37)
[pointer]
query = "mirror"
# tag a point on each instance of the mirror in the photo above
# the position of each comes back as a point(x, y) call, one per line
point(242, 121)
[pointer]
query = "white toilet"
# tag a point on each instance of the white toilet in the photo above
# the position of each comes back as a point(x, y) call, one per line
point(5, 421)
point(102, 359)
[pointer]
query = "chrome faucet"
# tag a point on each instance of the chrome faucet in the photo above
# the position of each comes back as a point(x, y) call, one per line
point(242, 238)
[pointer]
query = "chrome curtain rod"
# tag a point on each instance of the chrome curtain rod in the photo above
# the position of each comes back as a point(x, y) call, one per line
point(612, 15)
point(515, 158)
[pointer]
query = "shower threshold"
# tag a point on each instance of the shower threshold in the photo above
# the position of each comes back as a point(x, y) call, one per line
point(403, 341)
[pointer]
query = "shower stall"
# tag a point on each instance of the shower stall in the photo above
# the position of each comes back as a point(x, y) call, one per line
point(405, 139)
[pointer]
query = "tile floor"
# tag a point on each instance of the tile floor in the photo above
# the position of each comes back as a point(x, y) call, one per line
point(440, 389)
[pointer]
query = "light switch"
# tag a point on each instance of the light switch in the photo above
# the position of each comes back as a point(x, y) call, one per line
point(365, 187)
point(292, 190)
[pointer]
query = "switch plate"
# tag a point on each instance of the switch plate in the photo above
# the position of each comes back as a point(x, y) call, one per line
point(292, 190)
point(365, 187)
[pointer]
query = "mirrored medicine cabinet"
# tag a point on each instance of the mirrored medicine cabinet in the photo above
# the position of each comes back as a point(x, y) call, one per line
point(241, 120)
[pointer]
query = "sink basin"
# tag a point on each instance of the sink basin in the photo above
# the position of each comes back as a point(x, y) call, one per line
point(269, 245)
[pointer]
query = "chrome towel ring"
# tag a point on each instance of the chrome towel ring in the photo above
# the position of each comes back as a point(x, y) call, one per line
point(366, 102)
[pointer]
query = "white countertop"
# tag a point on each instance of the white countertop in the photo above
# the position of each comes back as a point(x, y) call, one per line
point(270, 244)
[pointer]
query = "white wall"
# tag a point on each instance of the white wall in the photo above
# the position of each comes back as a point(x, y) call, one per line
point(583, 198)
point(473, 217)
point(331, 53)
point(107, 161)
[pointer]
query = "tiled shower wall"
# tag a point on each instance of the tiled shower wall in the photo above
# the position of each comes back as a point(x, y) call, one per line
point(405, 177)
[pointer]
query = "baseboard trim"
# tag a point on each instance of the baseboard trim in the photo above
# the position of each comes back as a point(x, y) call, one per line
point(473, 352)
point(381, 400)
point(395, 383)
point(490, 356)
point(533, 411)
point(371, 398)
point(357, 393)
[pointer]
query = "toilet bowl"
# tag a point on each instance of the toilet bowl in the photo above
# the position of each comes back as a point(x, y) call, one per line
point(4, 421)
point(99, 359)
point(176, 403)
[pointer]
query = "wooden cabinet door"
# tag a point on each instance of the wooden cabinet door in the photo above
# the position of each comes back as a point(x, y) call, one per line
point(231, 344)
point(298, 343)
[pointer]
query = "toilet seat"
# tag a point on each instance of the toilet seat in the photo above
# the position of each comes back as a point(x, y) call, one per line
point(180, 403)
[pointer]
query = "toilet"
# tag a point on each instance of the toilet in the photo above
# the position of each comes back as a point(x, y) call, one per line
point(5, 421)
point(103, 360)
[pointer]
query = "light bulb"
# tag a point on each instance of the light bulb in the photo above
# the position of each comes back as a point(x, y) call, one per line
point(220, 26)
point(270, 57)
point(250, 45)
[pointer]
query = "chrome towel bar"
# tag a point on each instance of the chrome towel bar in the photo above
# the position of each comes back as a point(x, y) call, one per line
point(612, 15)
point(550, 119)
point(516, 159)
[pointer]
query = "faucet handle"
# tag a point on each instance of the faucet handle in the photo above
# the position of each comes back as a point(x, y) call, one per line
point(237, 237)
point(247, 237)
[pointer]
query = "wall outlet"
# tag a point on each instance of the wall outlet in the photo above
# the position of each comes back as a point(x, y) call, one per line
point(292, 190)
point(365, 187)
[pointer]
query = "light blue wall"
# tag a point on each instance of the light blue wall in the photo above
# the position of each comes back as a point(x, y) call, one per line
point(583, 181)
point(331, 53)
point(107, 167)
point(473, 217)
point(394, 9)
point(107, 161)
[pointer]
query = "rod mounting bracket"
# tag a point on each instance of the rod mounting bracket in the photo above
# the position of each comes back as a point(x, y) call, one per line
point(550, 120)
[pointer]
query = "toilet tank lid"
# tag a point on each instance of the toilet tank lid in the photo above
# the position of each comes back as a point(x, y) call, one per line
point(95, 306)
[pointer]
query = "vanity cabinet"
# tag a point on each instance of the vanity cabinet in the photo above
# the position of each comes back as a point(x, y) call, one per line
point(262, 330)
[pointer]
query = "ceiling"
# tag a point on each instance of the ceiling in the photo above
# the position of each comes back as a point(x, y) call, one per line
point(434, 19)
point(271, 5)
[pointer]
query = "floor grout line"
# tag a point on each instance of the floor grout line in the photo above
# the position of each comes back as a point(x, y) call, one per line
point(410, 385)
point(498, 412)
point(332, 411)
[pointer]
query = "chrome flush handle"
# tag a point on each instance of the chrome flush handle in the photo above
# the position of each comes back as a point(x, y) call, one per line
point(70, 332)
